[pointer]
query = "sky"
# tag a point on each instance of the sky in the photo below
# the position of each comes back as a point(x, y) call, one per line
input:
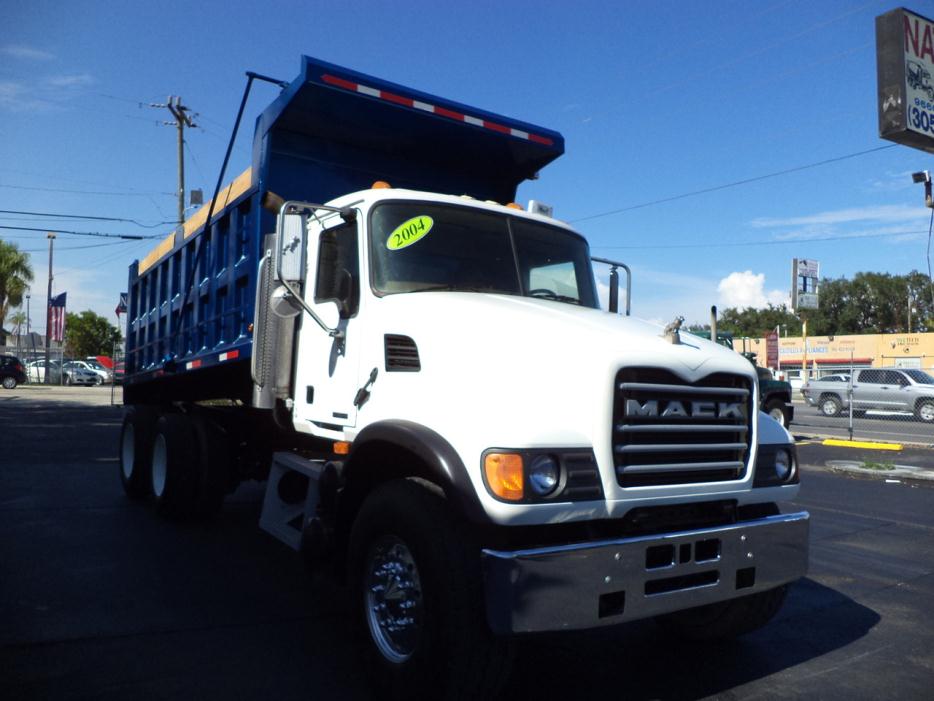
point(663, 107)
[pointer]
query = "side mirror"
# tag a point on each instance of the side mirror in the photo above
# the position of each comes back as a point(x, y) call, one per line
point(293, 259)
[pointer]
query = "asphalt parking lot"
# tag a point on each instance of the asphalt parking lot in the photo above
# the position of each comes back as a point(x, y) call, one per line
point(100, 599)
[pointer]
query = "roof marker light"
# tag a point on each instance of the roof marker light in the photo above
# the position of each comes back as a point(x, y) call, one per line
point(381, 185)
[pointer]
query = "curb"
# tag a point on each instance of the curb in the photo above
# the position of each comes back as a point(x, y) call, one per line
point(903, 471)
point(868, 445)
point(821, 437)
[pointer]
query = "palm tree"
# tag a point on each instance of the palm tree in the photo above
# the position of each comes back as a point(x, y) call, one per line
point(15, 276)
point(18, 320)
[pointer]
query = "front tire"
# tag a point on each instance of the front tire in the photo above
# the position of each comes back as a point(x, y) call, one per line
point(417, 597)
point(727, 619)
point(925, 411)
point(775, 408)
point(830, 405)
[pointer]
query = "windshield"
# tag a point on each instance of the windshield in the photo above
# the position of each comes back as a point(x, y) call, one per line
point(919, 376)
point(426, 247)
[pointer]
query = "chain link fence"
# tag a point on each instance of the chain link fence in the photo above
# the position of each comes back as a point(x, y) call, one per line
point(63, 370)
point(889, 401)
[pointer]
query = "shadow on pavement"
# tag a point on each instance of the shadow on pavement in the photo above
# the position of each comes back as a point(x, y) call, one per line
point(638, 661)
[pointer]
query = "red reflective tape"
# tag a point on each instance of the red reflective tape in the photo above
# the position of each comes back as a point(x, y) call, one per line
point(229, 355)
point(339, 82)
point(398, 99)
point(449, 114)
point(497, 127)
point(409, 102)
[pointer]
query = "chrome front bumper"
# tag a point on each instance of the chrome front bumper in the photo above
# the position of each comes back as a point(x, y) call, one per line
point(586, 585)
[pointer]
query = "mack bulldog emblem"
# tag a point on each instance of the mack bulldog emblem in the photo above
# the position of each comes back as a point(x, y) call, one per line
point(685, 410)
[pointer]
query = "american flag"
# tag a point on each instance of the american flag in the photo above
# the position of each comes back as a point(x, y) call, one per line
point(57, 317)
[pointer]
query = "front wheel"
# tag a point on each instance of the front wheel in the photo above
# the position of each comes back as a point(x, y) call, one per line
point(775, 408)
point(830, 406)
point(727, 619)
point(417, 597)
point(925, 411)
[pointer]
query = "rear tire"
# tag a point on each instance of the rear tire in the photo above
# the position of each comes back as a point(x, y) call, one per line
point(211, 468)
point(136, 451)
point(725, 620)
point(829, 405)
point(173, 475)
point(9, 382)
point(417, 598)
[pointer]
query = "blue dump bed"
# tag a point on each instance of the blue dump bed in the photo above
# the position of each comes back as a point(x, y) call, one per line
point(330, 132)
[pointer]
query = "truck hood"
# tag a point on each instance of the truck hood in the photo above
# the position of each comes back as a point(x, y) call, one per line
point(546, 335)
point(523, 369)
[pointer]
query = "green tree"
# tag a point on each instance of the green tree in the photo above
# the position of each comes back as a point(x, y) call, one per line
point(18, 320)
point(752, 322)
point(15, 276)
point(88, 333)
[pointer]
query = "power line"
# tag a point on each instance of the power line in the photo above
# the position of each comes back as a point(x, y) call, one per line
point(87, 192)
point(85, 216)
point(130, 237)
point(76, 248)
point(737, 244)
point(735, 183)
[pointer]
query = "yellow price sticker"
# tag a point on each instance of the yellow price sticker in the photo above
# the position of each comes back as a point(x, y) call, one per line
point(409, 232)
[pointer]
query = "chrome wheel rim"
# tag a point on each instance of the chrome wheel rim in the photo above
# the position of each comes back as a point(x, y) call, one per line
point(829, 408)
point(926, 412)
point(127, 451)
point(393, 599)
point(158, 466)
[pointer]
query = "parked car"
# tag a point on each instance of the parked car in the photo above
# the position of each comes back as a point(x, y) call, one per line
point(886, 389)
point(12, 371)
point(95, 367)
point(74, 374)
point(35, 371)
point(77, 372)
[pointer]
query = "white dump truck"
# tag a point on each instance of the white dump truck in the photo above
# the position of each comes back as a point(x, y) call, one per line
point(444, 416)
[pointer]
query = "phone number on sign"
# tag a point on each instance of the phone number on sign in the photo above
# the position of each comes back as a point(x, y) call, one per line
point(921, 119)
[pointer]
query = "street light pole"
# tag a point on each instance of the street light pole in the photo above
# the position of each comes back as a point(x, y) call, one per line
point(48, 314)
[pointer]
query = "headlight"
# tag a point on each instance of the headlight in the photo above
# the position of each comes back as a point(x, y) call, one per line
point(784, 465)
point(544, 474)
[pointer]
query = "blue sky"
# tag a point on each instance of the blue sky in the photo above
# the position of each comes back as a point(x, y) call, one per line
point(654, 100)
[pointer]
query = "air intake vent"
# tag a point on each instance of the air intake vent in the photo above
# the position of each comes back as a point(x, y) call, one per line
point(401, 354)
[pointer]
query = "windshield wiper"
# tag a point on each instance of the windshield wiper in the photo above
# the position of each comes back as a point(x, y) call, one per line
point(542, 293)
point(451, 287)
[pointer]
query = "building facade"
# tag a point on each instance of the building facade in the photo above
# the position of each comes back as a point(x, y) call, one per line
point(826, 355)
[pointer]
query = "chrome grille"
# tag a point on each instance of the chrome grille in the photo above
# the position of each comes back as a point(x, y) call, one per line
point(667, 431)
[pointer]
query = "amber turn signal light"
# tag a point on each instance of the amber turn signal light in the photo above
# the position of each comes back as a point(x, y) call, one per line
point(504, 475)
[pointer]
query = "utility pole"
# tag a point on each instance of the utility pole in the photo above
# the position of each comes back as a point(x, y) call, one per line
point(182, 120)
point(48, 315)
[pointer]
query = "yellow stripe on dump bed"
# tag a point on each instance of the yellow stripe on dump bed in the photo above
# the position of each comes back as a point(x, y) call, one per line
point(240, 185)
point(155, 254)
